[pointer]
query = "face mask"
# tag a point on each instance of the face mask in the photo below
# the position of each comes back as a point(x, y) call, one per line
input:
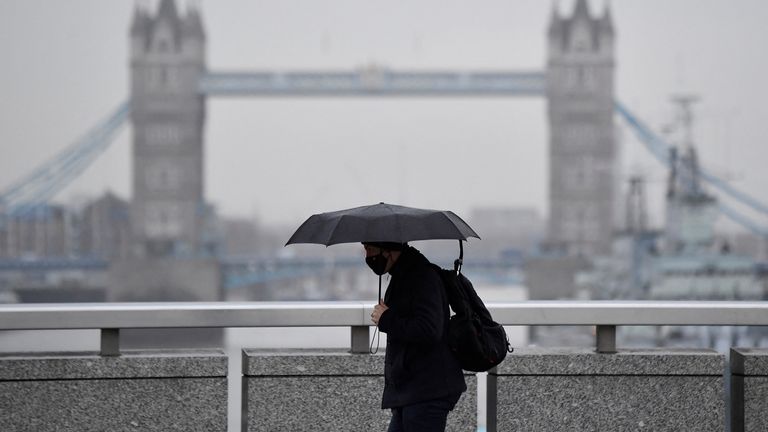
point(377, 263)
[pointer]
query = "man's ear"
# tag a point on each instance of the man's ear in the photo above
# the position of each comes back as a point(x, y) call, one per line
point(393, 255)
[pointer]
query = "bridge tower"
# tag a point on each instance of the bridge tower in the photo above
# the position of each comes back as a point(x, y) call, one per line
point(168, 212)
point(582, 144)
point(167, 60)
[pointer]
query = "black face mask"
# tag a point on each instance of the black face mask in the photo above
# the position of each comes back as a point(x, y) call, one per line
point(377, 263)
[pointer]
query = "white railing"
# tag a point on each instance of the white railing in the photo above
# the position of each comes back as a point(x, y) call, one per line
point(605, 315)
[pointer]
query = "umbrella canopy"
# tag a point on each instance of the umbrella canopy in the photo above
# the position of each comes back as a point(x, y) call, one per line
point(381, 223)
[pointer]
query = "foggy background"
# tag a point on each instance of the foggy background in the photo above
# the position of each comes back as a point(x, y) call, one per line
point(275, 161)
point(65, 66)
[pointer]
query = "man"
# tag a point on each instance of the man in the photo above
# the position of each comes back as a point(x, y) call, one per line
point(422, 379)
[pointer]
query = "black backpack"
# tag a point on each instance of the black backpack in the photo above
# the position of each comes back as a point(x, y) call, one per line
point(478, 341)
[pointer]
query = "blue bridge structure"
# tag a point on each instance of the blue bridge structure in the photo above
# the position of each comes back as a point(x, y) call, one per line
point(30, 194)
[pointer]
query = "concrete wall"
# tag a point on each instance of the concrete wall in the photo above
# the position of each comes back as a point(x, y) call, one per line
point(577, 389)
point(326, 391)
point(323, 390)
point(150, 391)
point(749, 390)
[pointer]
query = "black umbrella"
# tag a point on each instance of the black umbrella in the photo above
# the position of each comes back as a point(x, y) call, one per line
point(381, 223)
point(384, 223)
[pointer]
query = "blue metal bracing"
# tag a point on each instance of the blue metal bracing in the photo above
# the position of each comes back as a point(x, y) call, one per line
point(660, 149)
point(48, 264)
point(374, 81)
point(237, 280)
point(32, 192)
point(245, 271)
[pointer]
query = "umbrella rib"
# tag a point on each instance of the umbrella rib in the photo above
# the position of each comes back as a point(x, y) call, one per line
point(333, 231)
point(398, 225)
point(447, 215)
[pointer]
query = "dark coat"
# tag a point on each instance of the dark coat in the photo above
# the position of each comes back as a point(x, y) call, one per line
point(419, 366)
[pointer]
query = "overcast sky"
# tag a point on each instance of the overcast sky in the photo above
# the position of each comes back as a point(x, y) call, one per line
point(64, 67)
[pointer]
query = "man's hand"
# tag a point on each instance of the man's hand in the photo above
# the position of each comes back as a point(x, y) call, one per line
point(378, 310)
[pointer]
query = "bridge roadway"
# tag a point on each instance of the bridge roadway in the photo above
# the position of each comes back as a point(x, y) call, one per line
point(238, 271)
point(374, 81)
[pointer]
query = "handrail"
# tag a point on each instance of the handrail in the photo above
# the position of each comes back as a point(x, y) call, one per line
point(605, 315)
point(39, 316)
point(182, 315)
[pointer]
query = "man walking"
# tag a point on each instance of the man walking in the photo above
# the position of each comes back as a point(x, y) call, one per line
point(422, 379)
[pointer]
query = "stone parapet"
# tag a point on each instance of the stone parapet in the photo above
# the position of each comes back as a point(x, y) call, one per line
point(170, 391)
point(578, 389)
point(749, 390)
point(322, 390)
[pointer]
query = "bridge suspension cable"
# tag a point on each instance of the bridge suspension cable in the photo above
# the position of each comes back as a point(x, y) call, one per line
point(29, 194)
point(660, 150)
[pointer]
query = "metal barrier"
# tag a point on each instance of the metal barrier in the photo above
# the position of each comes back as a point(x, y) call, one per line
point(605, 315)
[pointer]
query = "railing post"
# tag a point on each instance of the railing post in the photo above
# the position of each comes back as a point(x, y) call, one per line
point(110, 342)
point(606, 339)
point(360, 340)
point(491, 401)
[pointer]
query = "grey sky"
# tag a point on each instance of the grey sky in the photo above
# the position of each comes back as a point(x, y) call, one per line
point(65, 67)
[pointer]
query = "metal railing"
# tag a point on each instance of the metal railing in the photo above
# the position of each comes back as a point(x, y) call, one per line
point(606, 316)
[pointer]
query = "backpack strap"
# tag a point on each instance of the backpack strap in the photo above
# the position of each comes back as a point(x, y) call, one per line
point(457, 298)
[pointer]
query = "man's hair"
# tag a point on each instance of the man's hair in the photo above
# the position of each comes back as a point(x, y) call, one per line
point(390, 246)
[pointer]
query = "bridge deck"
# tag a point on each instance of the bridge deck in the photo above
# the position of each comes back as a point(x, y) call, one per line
point(374, 82)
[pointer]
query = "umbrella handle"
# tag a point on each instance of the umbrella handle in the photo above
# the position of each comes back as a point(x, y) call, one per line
point(460, 261)
point(376, 332)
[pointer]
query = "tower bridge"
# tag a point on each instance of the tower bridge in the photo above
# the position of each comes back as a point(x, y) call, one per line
point(171, 82)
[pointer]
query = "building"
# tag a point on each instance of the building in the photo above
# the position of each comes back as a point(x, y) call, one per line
point(43, 231)
point(168, 213)
point(692, 265)
point(173, 228)
point(582, 146)
point(104, 230)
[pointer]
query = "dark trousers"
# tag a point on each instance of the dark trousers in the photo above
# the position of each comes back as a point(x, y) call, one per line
point(428, 416)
